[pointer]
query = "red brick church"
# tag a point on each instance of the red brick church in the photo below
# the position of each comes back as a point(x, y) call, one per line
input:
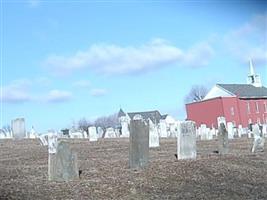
point(241, 104)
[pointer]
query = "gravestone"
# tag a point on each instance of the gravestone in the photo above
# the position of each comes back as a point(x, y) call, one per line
point(223, 140)
point(124, 128)
point(264, 130)
point(32, 133)
point(258, 143)
point(153, 135)
point(230, 130)
point(163, 129)
point(18, 128)
point(240, 131)
point(220, 120)
point(92, 134)
point(100, 132)
point(139, 143)
point(110, 133)
point(76, 134)
point(63, 164)
point(85, 134)
point(203, 132)
point(186, 140)
point(52, 143)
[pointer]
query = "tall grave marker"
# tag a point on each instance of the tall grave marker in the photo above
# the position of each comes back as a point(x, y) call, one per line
point(258, 143)
point(18, 128)
point(139, 143)
point(223, 139)
point(153, 135)
point(186, 140)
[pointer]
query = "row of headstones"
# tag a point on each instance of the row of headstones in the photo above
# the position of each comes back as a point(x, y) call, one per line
point(62, 161)
point(205, 133)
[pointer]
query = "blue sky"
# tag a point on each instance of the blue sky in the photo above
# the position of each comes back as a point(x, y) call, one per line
point(65, 60)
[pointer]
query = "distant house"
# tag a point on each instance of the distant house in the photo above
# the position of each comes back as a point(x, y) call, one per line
point(163, 121)
point(241, 104)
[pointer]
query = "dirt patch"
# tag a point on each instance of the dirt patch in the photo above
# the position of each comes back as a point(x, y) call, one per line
point(106, 175)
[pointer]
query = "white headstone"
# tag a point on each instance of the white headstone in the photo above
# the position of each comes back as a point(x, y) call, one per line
point(186, 140)
point(92, 133)
point(203, 132)
point(240, 131)
point(230, 130)
point(124, 128)
point(18, 128)
point(163, 129)
point(110, 133)
point(32, 133)
point(153, 135)
point(77, 134)
point(52, 143)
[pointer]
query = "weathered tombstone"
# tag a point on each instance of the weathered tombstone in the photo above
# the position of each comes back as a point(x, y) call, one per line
point(92, 133)
point(209, 134)
point(258, 144)
point(230, 130)
point(18, 128)
point(203, 132)
point(220, 120)
point(153, 135)
point(139, 143)
point(100, 132)
point(85, 134)
point(76, 134)
point(264, 130)
point(124, 128)
point(240, 131)
point(223, 139)
point(63, 164)
point(110, 133)
point(52, 143)
point(186, 140)
point(213, 132)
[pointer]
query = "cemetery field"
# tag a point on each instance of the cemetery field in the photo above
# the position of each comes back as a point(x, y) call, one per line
point(106, 175)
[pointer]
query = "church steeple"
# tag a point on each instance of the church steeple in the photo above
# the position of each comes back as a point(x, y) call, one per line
point(253, 78)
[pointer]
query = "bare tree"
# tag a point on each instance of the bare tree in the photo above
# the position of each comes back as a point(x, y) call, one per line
point(83, 124)
point(107, 121)
point(197, 93)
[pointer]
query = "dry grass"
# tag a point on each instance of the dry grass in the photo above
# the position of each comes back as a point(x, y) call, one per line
point(105, 172)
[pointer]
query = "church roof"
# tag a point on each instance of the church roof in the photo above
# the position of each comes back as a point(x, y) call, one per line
point(154, 116)
point(245, 90)
point(121, 113)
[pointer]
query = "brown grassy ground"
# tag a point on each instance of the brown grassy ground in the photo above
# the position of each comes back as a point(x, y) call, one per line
point(239, 175)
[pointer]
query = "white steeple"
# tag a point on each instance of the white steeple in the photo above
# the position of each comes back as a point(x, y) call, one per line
point(253, 78)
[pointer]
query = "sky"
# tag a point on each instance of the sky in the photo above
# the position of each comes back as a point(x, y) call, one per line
point(66, 60)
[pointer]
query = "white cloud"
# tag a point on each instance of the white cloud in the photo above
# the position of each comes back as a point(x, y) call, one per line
point(249, 41)
point(82, 84)
point(115, 59)
point(17, 91)
point(57, 96)
point(34, 3)
point(22, 90)
point(98, 92)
